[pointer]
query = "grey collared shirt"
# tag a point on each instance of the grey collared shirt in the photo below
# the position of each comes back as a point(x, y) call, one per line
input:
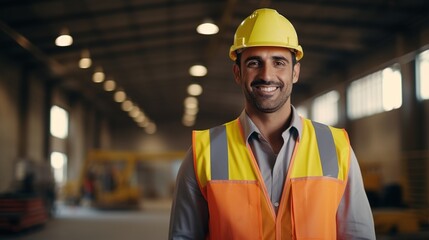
point(273, 166)
point(189, 213)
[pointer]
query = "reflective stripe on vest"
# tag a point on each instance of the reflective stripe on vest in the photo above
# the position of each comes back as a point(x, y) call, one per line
point(239, 205)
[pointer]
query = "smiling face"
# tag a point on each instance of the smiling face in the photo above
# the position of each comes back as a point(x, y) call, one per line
point(266, 75)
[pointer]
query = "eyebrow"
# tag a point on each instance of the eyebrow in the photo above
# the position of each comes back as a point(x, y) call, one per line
point(273, 58)
point(252, 58)
point(280, 58)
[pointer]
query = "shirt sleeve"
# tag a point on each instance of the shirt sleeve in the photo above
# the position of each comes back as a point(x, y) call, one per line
point(354, 216)
point(189, 211)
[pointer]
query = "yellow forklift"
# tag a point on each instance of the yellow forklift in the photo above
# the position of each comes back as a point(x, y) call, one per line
point(108, 179)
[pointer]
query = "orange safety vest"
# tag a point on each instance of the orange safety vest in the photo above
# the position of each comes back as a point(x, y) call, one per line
point(239, 206)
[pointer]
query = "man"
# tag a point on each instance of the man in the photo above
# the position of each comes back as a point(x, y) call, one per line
point(269, 174)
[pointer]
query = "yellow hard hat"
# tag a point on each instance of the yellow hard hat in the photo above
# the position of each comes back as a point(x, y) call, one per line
point(266, 27)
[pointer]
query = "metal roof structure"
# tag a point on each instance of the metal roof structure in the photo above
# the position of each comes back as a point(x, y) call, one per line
point(148, 46)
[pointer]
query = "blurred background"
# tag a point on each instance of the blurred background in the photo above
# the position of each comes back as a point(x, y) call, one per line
point(98, 100)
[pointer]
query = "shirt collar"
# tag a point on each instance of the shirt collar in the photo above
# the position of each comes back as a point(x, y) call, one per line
point(249, 127)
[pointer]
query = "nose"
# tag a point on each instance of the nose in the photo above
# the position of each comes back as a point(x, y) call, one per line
point(266, 72)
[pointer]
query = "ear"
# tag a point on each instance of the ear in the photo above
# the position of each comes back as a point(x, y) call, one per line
point(237, 74)
point(295, 74)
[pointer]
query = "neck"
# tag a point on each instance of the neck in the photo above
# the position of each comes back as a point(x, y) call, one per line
point(272, 125)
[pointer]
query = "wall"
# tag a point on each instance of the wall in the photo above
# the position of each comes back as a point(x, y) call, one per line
point(377, 139)
point(36, 120)
point(25, 100)
point(78, 141)
point(9, 85)
point(426, 132)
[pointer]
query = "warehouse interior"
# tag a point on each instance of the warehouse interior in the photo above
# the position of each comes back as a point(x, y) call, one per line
point(94, 124)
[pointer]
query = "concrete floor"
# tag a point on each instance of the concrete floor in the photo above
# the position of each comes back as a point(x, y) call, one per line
point(84, 223)
point(151, 222)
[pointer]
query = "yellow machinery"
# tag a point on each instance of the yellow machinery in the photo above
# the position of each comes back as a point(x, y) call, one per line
point(108, 178)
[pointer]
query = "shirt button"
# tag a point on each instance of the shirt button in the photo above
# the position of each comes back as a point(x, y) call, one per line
point(276, 204)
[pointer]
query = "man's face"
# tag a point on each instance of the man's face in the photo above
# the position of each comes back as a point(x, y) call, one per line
point(266, 76)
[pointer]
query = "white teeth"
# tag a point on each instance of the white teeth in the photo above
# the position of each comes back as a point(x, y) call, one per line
point(268, 89)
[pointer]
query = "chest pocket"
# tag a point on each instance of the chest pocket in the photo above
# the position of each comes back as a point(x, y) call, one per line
point(235, 210)
point(314, 206)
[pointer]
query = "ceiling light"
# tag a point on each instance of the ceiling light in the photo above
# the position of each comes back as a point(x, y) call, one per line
point(191, 102)
point(85, 60)
point(198, 71)
point(191, 111)
point(150, 128)
point(144, 123)
point(189, 117)
point(207, 28)
point(195, 89)
point(127, 105)
point(140, 118)
point(109, 85)
point(188, 120)
point(119, 96)
point(134, 112)
point(64, 39)
point(98, 75)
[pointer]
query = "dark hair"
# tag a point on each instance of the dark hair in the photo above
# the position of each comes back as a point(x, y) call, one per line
point(294, 61)
point(238, 59)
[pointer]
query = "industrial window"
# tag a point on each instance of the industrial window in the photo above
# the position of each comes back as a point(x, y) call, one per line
point(59, 166)
point(378, 92)
point(59, 122)
point(325, 108)
point(423, 75)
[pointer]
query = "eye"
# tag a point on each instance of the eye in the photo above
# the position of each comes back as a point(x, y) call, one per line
point(253, 63)
point(279, 63)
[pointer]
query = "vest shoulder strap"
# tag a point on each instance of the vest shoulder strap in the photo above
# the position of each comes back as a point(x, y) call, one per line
point(322, 151)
